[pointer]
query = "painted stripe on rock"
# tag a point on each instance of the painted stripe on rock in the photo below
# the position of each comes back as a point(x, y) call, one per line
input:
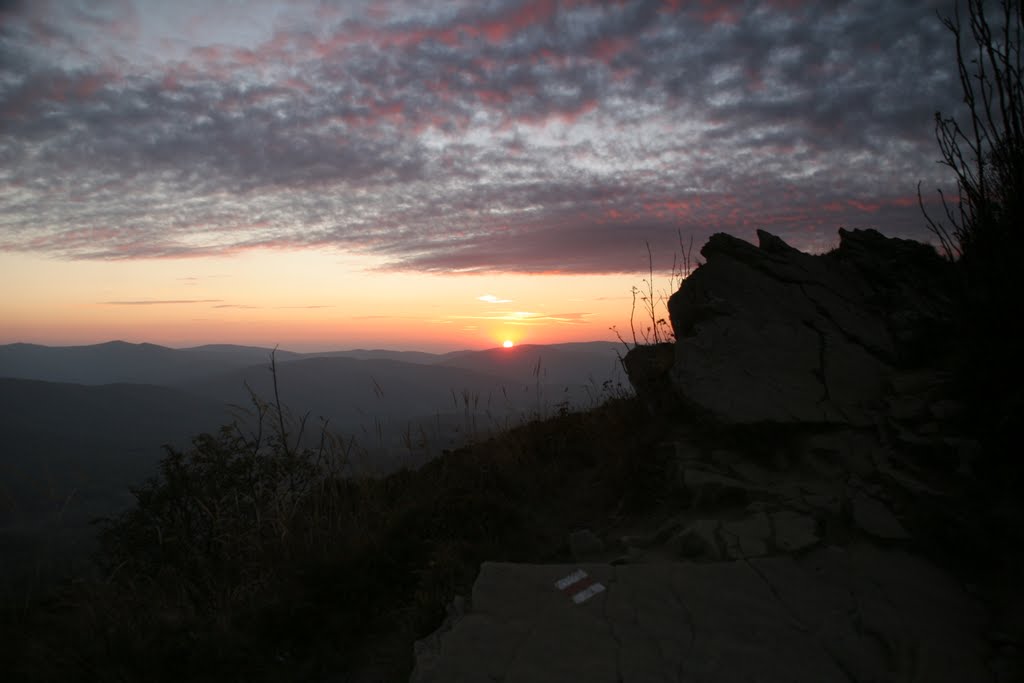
point(587, 593)
point(579, 586)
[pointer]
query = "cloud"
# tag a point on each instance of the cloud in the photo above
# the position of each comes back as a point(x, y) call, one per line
point(491, 299)
point(527, 318)
point(157, 302)
point(304, 307)
point(524, 136)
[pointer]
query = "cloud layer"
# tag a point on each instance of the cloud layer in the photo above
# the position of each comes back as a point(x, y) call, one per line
point(512, 135)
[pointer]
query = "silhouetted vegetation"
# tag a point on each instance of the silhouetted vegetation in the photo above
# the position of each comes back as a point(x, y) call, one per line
point(985, 151)
point(654, 328)
point(248, 557)
point(982, 229)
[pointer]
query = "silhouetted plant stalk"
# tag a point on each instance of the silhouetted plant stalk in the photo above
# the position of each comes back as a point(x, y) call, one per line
point(986, 152)
point(657, 329)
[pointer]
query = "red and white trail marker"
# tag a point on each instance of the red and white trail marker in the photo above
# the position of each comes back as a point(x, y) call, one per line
point(579, 586)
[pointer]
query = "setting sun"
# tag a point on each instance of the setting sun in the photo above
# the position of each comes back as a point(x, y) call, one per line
point(508, 343)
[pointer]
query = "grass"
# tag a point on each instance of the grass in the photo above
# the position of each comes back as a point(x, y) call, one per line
point(249, 558)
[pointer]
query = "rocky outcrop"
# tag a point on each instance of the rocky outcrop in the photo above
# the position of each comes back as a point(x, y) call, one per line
point(769, 334)
point(824, 551)
point(815, 566)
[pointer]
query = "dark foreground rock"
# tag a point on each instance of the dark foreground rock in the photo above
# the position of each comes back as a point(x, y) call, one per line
point(769, 334)
point(853, 614)
point(825, 520)
point(819, 558)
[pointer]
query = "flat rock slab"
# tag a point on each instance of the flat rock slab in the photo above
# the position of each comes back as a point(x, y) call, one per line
point(835, 614)
point(872, 516)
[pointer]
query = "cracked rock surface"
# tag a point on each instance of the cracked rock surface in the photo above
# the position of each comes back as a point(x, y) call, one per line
point(769, 334)
point(808, 569)
point(834, 614)
point(802, 572)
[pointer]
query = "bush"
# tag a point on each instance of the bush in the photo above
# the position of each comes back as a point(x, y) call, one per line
point(985, 152)
point(983, 229)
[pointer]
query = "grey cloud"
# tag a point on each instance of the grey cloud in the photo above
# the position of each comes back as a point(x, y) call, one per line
point(563, 146)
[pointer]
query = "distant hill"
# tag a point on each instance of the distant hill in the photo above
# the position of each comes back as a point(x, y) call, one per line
point(70, 453)
point(58, 437)
point(419, 357)
point(119, 361)
point(81, 425)
point(357, 394)
point(577, 364)
point(352, 391)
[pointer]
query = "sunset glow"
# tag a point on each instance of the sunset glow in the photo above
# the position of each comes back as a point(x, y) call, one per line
point(508, 343)
point(438, 175)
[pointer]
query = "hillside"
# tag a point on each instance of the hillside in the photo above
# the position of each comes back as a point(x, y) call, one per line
point(72, 451)
point(121, 362)
point(549, 365)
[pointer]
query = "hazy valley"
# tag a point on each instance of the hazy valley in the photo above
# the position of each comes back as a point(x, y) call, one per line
point(83, 424)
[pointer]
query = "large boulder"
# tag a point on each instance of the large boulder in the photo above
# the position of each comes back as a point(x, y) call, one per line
point(768, 334)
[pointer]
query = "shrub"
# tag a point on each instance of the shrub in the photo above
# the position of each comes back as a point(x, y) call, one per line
point(986, 151)
point(983, 229)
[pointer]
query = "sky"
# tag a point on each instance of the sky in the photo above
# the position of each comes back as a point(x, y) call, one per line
point(436, 175)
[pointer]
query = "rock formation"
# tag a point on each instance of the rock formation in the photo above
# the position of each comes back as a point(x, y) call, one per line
point(806, 541)
point(769, 334)
point(807, 568)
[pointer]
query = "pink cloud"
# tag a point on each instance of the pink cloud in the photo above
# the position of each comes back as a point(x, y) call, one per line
point(522, 17)
point(608, 49)
point(717, 12)
point(870, 207)
point(494, 98)
point(170, 82)
point(572, 115)
point(904, 201)
point(298, 84)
